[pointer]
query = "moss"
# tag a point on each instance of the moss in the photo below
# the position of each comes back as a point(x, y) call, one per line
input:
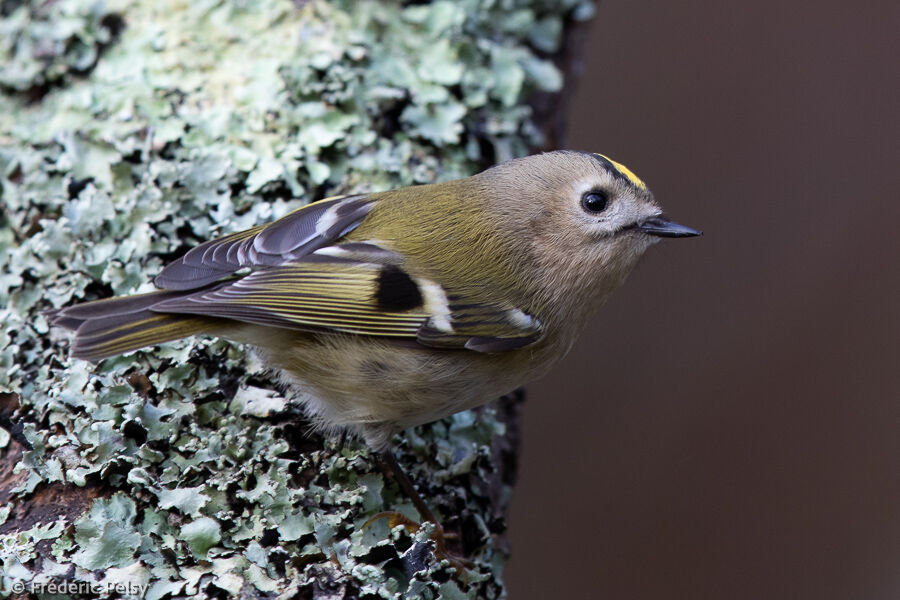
point(129, 131)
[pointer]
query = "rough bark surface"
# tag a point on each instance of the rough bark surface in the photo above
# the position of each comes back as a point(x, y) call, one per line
point(129, 131)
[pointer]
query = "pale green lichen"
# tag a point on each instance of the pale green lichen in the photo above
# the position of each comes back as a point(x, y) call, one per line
point(129, 131)
point(106, 534)
point(46, 43)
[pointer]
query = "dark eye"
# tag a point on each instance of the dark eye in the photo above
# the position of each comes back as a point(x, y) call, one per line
point(595, 201)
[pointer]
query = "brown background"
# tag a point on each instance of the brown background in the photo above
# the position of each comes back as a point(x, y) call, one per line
point(730, 425)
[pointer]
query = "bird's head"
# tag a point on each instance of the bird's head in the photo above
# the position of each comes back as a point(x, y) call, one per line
point(584, 218)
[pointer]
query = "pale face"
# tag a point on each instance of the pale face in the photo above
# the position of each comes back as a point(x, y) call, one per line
point(585, 219)
point(603, 203)
point(572, 195)
point(593, 207)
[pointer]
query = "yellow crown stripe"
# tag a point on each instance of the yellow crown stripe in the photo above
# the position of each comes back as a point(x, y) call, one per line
point(626, 173)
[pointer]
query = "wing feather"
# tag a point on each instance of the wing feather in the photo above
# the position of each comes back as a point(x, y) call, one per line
point(302, 276)
point(291, 237)
point(302, 295)
point(342, 295)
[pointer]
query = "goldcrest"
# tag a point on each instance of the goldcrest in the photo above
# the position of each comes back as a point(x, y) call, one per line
point(397, 308)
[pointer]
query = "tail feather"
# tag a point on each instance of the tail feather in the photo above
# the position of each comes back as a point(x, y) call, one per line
point(104, 328)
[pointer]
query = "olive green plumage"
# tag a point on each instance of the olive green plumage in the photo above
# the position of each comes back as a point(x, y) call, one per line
point(397, 308)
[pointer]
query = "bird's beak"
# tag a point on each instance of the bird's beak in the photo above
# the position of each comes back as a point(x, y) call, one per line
point(662, 227)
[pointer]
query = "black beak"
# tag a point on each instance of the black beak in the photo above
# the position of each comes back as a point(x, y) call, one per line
point(661, 227)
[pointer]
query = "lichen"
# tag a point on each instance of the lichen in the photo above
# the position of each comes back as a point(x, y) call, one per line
point(128, 132)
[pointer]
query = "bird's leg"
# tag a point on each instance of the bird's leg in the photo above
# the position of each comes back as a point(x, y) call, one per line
point(342, 439)
point(388, 463)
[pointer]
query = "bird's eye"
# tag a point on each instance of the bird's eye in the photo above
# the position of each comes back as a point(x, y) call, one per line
point(595, 201)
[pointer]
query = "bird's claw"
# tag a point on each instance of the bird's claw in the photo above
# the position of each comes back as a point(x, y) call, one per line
point(438, 536)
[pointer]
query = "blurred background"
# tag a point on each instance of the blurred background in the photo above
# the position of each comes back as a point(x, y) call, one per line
point(730, 425)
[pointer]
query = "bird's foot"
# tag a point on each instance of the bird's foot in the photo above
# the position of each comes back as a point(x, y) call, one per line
point(438, 536)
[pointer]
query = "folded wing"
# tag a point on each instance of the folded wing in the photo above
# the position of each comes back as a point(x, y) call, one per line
point(361, 288)
point(299, 273)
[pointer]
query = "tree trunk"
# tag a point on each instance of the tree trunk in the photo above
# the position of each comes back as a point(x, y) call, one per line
point(129, 132)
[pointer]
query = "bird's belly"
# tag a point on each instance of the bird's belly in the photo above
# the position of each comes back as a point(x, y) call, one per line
point(383, 387)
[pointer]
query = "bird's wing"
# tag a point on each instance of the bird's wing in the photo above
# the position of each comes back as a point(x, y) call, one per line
point(291, 237)
point(360, 288)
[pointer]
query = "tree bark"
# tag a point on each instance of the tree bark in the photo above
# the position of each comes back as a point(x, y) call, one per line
point(129, 132)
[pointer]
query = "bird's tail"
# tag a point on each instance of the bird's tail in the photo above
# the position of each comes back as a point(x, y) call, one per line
point(105, 328)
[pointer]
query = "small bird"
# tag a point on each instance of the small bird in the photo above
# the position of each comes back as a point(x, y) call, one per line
point(393, 309)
